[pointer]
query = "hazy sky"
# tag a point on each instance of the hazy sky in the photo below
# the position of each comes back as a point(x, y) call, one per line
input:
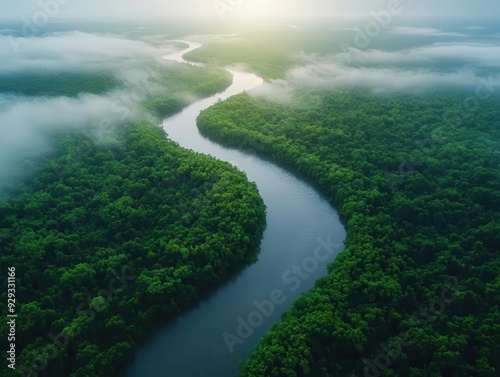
point(250, 9)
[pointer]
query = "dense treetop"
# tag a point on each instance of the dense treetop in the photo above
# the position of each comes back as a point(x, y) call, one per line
point(416, 289)
point(119, 229)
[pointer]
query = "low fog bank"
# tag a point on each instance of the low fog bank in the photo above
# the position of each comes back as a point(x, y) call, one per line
point(82, 52)
point(454, 65)
point(27, 123)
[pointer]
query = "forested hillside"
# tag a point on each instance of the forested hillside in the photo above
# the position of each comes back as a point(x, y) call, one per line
point(109, 242)
point(416, 290)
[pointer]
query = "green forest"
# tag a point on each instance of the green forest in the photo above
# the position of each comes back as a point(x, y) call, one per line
point(52, 84)
point(168, 87)
point(163, 89)
point(110, 240)
point(416, 290)
point(119, 230)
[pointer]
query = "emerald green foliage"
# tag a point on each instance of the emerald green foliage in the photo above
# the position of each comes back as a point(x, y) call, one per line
point(170, 223)
point(269, 61)
point(182, 83)
point(419, 192)
point(51, 84)
point(162, 89)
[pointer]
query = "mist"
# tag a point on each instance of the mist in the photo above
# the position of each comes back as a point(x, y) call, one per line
point(453, 65)
point(454, 59)
point(76, 51)
point(26, 123)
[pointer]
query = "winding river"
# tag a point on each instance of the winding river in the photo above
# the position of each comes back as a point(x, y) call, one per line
point(303, 234)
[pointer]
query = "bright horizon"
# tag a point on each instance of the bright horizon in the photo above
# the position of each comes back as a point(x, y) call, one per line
point(243, 10)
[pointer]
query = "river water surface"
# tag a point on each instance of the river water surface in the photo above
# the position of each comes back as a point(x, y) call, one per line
point(303, 234)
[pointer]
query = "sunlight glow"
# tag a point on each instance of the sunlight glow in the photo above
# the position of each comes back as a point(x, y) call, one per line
point(261, 9)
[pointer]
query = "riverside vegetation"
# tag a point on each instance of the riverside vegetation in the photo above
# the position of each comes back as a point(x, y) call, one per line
point(415, 292)
point(111, 238)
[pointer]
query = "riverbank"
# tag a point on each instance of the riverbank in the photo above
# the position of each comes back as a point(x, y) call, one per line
point(208, 339)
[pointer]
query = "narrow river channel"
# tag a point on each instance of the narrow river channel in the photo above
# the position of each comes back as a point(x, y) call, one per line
point(303, 234)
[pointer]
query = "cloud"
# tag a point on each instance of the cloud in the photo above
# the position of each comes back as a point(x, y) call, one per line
point(334, 75)
point(436, 66)
point(478, 54)
point(74, 50)
point(465, 54)
point(278, 91)
point(425, 32)
point(26, 122)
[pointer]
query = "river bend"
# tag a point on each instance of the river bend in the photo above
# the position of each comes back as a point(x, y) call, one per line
point(303, 234)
